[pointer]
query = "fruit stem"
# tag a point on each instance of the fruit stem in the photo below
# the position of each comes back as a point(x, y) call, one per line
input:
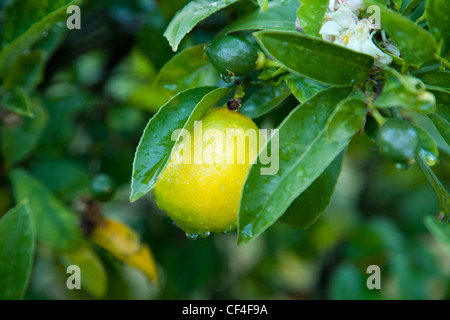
point(440, 191)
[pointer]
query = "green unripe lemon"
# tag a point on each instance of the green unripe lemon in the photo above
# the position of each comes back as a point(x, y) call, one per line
point(203, 196)
point(397, 141)
point(233, 53)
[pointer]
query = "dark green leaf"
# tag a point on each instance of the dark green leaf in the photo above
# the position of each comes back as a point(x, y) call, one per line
point(16, 100)
point(442, 103)
point(76, 178)
point(311, 14)
point(302, 88)
point(264, 100)
point(438, 17)
point(305, 153)
point(26, 72)
point(93, 273)
point(187, 69)
point(55, 225)
point(17, 244)
point(436, 79)
point(19, 140)
point(315, 58)
point(408, 5)
point(308, 207)
point(442, 125)
point(187, 18)
point(21, 32)
point(280, 15)
point(155, 147)
point(416, 45)
point(439, 229)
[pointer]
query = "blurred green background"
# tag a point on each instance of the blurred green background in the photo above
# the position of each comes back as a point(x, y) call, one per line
point(91, 106)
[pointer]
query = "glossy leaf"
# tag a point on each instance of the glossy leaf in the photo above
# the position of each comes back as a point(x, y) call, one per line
point(347, 120)
point(305, 153)
point(308, 207)
point(264, 100)
point(187, 69)
point(405, 91)
point(56, 226)
point(438, 18)
point(94, 278)
point(280, 15)
point(315, 58)
point(126, 245)
point(187, 18)
point(17, 101)
point(439, 229)
point(19, 140)
point(17, 245)
point(416, 45)
point(302, 88)
point(19, 37)
point(311, 14)
point(154, 149)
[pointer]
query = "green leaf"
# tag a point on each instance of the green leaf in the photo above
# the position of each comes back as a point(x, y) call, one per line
point(442, 125)
point(187, 69)
point(280, 15)
point(311, 14)
point(16, 100)
point(93, 272)
point(302, 88)
point(442, 103)
point(19, 140)
point(347, 120)
point(439, 229)
point(17, 245)
point(428, 146)
point(408, 5)
point(187, 18)
point(436, 79)
point(155, 147)
point(415, 44)
point(305, 153)
point(438, 18)
point(55, 225)
point(264, 100)
point(307, 208)
point(263, 4)
point(21, 32)
point(405, 91)
point(315, 58)
point(26, 72)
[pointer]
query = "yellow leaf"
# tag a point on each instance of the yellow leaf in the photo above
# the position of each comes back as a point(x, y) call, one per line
point(125, 244)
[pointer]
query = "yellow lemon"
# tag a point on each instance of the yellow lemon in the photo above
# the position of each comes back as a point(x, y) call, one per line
point(200, 188)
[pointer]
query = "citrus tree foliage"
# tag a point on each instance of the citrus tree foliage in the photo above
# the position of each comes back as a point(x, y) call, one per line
point(85, 114)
